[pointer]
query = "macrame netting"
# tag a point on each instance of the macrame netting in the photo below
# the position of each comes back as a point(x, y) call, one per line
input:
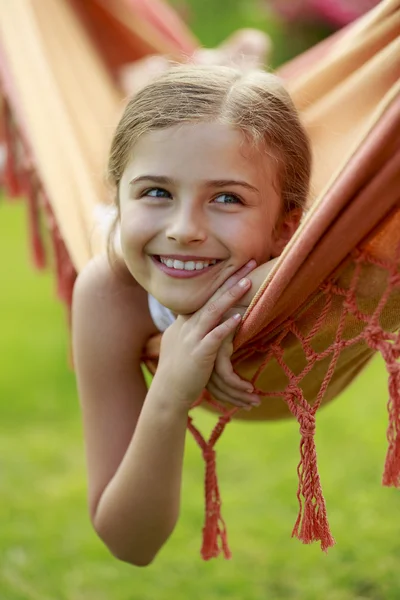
point(333, 298)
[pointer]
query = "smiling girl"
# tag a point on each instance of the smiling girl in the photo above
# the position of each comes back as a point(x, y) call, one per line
point(211, 169)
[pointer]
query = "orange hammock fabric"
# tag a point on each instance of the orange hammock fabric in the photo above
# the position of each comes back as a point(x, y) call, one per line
point(332, 299)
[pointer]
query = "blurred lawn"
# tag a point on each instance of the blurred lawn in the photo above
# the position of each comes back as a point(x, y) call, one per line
point(47, 548)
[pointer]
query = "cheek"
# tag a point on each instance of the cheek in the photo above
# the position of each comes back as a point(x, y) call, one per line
point(255, 239)
point(128, 237)
point(261, 249)
point(135, 232)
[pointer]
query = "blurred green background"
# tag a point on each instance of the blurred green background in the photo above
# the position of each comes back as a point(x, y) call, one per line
point(47, 547)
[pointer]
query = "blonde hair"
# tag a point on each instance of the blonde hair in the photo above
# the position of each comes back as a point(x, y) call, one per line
point(254, 102)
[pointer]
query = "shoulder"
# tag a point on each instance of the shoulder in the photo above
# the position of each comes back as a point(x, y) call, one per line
point(99, 279)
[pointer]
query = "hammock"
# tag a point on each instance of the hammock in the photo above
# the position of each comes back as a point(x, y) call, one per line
point(333, 297)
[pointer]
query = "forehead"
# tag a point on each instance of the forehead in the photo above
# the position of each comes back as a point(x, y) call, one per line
point(201, 151)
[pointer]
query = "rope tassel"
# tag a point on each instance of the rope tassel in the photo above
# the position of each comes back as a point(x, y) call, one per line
point(214, 530)
point(312, 521)
point(11, 173)
point(215, 538)
point(32, 192)
point(391, 475)
point(388, 345)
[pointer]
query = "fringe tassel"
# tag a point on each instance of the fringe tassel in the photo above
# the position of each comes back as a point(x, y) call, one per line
point(214, 530)
point(389, 347)
point(312, 521)
point(20, 179)
point(65, 271)
point(215, 538)
point(11, 177)
point(32, 192)
point(391, 475)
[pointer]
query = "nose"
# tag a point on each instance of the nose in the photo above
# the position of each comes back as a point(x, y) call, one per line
point(187, 226)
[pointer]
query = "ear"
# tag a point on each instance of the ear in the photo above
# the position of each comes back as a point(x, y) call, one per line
point(284, 230)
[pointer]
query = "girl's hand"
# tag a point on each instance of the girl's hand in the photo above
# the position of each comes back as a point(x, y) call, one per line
point(190, 345)
point(225, 385)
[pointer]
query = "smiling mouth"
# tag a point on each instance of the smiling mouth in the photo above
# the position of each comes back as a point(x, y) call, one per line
point(192, 264)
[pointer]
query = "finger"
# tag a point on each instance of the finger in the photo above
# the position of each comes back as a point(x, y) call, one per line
point(226, 380)
point(223, 370)
point(233, 392)
point(246, 401)
point(212, 341)
point(234, 279)
point(238, 275)
point(224, 397)
point(213, 310)
point(229, 380)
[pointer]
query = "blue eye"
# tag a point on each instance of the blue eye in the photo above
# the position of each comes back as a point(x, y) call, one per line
point(157, 193)
point(227, 199)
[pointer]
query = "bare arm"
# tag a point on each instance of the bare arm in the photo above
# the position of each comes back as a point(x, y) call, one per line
point(134, 438)
point(134, 456)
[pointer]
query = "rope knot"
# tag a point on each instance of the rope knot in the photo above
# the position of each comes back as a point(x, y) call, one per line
point(374, 336)
point(349, 304)
point(307, 425)
point(292, 399)
point(309, 353)
point(292, 390)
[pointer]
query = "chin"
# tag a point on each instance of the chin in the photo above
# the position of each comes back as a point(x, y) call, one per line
point(183, 308)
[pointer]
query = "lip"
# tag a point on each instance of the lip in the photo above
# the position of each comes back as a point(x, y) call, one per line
point(181, 273)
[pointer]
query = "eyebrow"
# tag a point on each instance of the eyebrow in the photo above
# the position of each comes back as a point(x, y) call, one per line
point(210, 183)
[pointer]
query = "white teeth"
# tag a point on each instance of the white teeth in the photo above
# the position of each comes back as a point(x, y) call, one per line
point(190, 265)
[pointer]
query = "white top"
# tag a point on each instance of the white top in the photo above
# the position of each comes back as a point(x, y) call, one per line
point(162, 316)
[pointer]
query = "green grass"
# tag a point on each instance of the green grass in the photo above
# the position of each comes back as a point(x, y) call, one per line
point(48, 550)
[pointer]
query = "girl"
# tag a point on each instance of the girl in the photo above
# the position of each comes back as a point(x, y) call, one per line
point(211, 169)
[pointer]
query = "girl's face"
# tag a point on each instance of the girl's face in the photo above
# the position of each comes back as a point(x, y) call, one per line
point(197, 202)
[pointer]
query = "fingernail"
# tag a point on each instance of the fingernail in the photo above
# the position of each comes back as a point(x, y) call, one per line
point(244, 282)
point(252, 263)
